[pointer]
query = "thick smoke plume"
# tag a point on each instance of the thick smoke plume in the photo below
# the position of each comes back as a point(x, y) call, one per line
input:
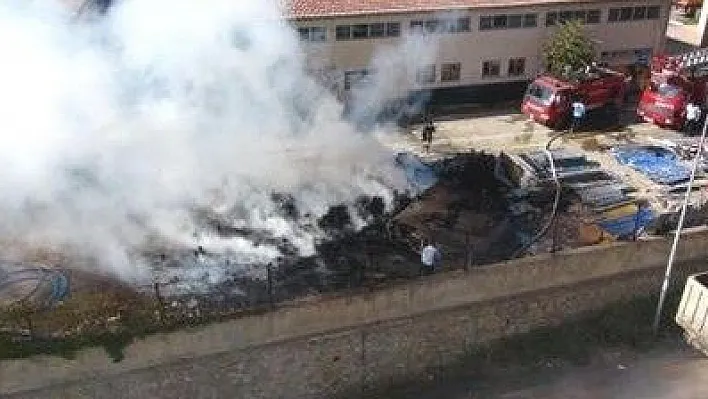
point(116, 132)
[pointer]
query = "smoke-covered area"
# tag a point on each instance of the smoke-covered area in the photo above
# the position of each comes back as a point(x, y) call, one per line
point(148, 127)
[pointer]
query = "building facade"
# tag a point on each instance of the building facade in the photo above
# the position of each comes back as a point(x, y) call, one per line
point(484, 50)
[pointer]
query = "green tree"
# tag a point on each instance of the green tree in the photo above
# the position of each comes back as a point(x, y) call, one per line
point(568, 48)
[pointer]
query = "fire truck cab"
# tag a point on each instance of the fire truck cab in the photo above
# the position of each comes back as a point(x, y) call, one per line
point(548, 99)
point(675, 81)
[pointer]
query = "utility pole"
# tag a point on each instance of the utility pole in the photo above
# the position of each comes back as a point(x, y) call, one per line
point(679, 227)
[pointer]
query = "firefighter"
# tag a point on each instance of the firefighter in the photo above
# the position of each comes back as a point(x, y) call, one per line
point(428, 131)
point(430, 257)
point(578, 110)
point(693, 118)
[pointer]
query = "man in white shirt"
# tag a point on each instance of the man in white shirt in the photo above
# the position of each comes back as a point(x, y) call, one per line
point(693, 118)
point(578, 114)
point(430, 257)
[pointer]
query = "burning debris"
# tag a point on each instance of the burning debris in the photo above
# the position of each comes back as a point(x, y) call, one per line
point(364, 242)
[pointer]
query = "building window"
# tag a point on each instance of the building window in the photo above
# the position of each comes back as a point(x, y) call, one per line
point(580, 15)
point(515, 21)
point(304, 34)
point(613, 15)
point(377, 30)
point(653, 12)
point(393, 29)
point(530, 20)
point(364, 31)
point(499, 21)
point(639, 13)
point(507, 21)
point(593, 17)
point(463, 25)
point(352, 79)
point(491, 68)
point(565, 16)
point(625, 14)
point(343, 32)
point(312, 34)
point(360, 31)
point(554, 18)
point(450, 72)
point(620, 14)
point(425, 75)
point(517, 66)
point(432, 25)
point(551, 18)
point(442, 25)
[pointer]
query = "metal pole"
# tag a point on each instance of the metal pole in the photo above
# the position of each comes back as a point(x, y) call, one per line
point(679, 227)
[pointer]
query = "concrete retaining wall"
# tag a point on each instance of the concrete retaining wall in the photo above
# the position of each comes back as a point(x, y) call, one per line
point(357, 343)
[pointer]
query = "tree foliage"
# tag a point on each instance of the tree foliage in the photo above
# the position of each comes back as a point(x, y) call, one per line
point(568, 48)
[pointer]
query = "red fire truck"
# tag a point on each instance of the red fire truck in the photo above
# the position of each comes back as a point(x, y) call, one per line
point(548, 99)
point(675, 81)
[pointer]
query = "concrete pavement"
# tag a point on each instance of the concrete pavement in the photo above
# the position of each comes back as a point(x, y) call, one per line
point(671, 371)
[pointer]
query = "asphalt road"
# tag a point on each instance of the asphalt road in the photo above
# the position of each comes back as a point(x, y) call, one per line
point(670, 371)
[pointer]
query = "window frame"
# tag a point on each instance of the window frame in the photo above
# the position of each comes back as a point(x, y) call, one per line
point(653, 12)
point(551, 18)
point(518, 18)
point(629, 11)
point(528, 18)
point(463, 25)
point(642, 14)
point(303, 34)
point(580, 15)
point(359, 74)
point(362, 34)
point(450, 72)
point(431, 26)
point(485, 22)
point(340, 29)
point(596, 13)
point(393, 29)
point(426, 75)
point(489, 66)
point(565, 16)
point(513, 69)
point(310, 34)
point(314, 31)
point(499, 18)
point(613, 15)
point(377, 33)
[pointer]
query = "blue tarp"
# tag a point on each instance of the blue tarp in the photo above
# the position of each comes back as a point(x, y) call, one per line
point(626, 226)
point(658, 164)
point(420, 176)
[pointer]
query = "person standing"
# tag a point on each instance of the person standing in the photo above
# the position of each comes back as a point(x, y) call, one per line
point(428, 131)
point(693, 118)
point(578, 109)
point(430, 258)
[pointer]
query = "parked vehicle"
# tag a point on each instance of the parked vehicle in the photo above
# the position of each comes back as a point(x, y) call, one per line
point(689, 7)
point(675, 81)
point(548, 99)
point(692, 314)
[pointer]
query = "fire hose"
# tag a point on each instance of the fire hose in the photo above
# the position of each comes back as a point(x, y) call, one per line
point(556, 200)
point(58, 281)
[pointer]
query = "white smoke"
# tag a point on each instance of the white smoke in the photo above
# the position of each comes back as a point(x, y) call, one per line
point(113, 131)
